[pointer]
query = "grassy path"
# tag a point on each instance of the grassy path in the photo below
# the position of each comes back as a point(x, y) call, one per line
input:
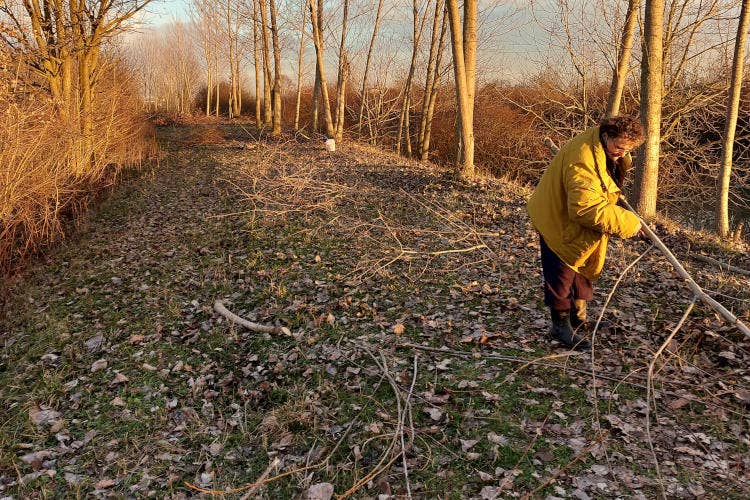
point(117, 378)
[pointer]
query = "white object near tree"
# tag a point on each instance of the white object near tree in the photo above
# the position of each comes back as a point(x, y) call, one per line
point(330, 145)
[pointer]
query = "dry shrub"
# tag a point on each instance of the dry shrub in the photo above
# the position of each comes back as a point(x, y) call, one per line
point(50, 174)
point(205, 136)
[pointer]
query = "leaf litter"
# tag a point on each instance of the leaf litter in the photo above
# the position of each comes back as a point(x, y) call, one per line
point(355, 252)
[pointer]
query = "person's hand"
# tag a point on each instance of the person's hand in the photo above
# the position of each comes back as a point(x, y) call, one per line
point(641, 235)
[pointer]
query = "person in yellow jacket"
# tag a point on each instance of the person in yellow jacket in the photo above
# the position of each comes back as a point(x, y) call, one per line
point(574, 209)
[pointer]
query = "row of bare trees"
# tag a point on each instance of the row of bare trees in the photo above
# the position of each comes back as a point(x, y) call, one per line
point(72, 113)
point(63, 42)
point(655, 56)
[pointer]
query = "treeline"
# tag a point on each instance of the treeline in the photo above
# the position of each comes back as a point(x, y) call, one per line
point(420, 77)
point(404, 75)
point(72, 118)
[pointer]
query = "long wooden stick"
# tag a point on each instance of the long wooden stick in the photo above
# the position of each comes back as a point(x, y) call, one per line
point(221, 309)
point(697, 290)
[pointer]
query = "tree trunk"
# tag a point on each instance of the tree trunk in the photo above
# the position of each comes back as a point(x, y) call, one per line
point(276, 71)
point(258, 67)
point(232, 104)
point(433, 70)
point(267, 109)
point(403, 123)
point(299, 67)
point(317, 91)
point(733, 105)
point(464, 44)
point(318, 38)
point(647, 170)
point(209, 89)
point(218, 94)
point(341, 109)
point(620, 72)
point(86, 110)
point(340, 85)
point(363, 94)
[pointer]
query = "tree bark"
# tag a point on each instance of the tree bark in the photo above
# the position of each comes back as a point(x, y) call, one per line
point(267, 108)
point(276, 71)
point(299, 66)
point(463, 78)
point(258, 67)
point(318, 38)
point(341, 79)
point(403, 123)
point(733, 106)
point(433, 72)
point(317, 91)
point(620, 72)
point(647, 170)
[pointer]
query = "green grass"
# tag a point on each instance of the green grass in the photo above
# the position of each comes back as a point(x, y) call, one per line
point(246, 390)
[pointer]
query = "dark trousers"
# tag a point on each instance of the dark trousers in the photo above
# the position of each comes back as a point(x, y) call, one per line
point(562, 285)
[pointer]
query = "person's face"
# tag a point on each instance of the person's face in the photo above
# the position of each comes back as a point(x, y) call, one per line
point(616, 148)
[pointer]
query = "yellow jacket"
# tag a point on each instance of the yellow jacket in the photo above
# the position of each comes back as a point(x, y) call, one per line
point(574, 206)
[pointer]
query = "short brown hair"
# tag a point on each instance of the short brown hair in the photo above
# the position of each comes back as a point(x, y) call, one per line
point(623, 127)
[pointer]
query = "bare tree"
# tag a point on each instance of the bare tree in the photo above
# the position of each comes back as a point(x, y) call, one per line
point(647, 168)
point(205, 22)
point(266, 53)
point(464, 47)
point(276, 71)
point(233, 27)
point(418, 23)
point(318, 39)
point(722, 209)
point(439, 25)
point(299, 65)
point(620, 73)
point(341, 80)
point(317, 87)
point(60, 40)
point(259, 72)
point(363, 94)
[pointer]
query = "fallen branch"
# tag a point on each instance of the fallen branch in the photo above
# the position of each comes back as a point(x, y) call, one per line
point(721, 265)
point(697, 291)
point(255, 327)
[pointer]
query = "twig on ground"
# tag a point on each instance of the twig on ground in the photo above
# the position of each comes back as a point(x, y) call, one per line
point(721, 265)
point(278, 330)
point(537, 433)
point(398, 435)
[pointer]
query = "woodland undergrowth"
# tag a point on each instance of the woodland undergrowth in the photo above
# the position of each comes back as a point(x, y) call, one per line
point(418, 363)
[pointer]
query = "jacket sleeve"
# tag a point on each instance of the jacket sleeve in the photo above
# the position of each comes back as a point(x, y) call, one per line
point(589, 206)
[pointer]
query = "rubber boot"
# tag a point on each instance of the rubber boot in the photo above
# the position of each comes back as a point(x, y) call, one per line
point(562, 331)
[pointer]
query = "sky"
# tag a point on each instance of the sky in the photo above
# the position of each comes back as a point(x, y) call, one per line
point(163, 11)
point(518, 38)
point(509, 45)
